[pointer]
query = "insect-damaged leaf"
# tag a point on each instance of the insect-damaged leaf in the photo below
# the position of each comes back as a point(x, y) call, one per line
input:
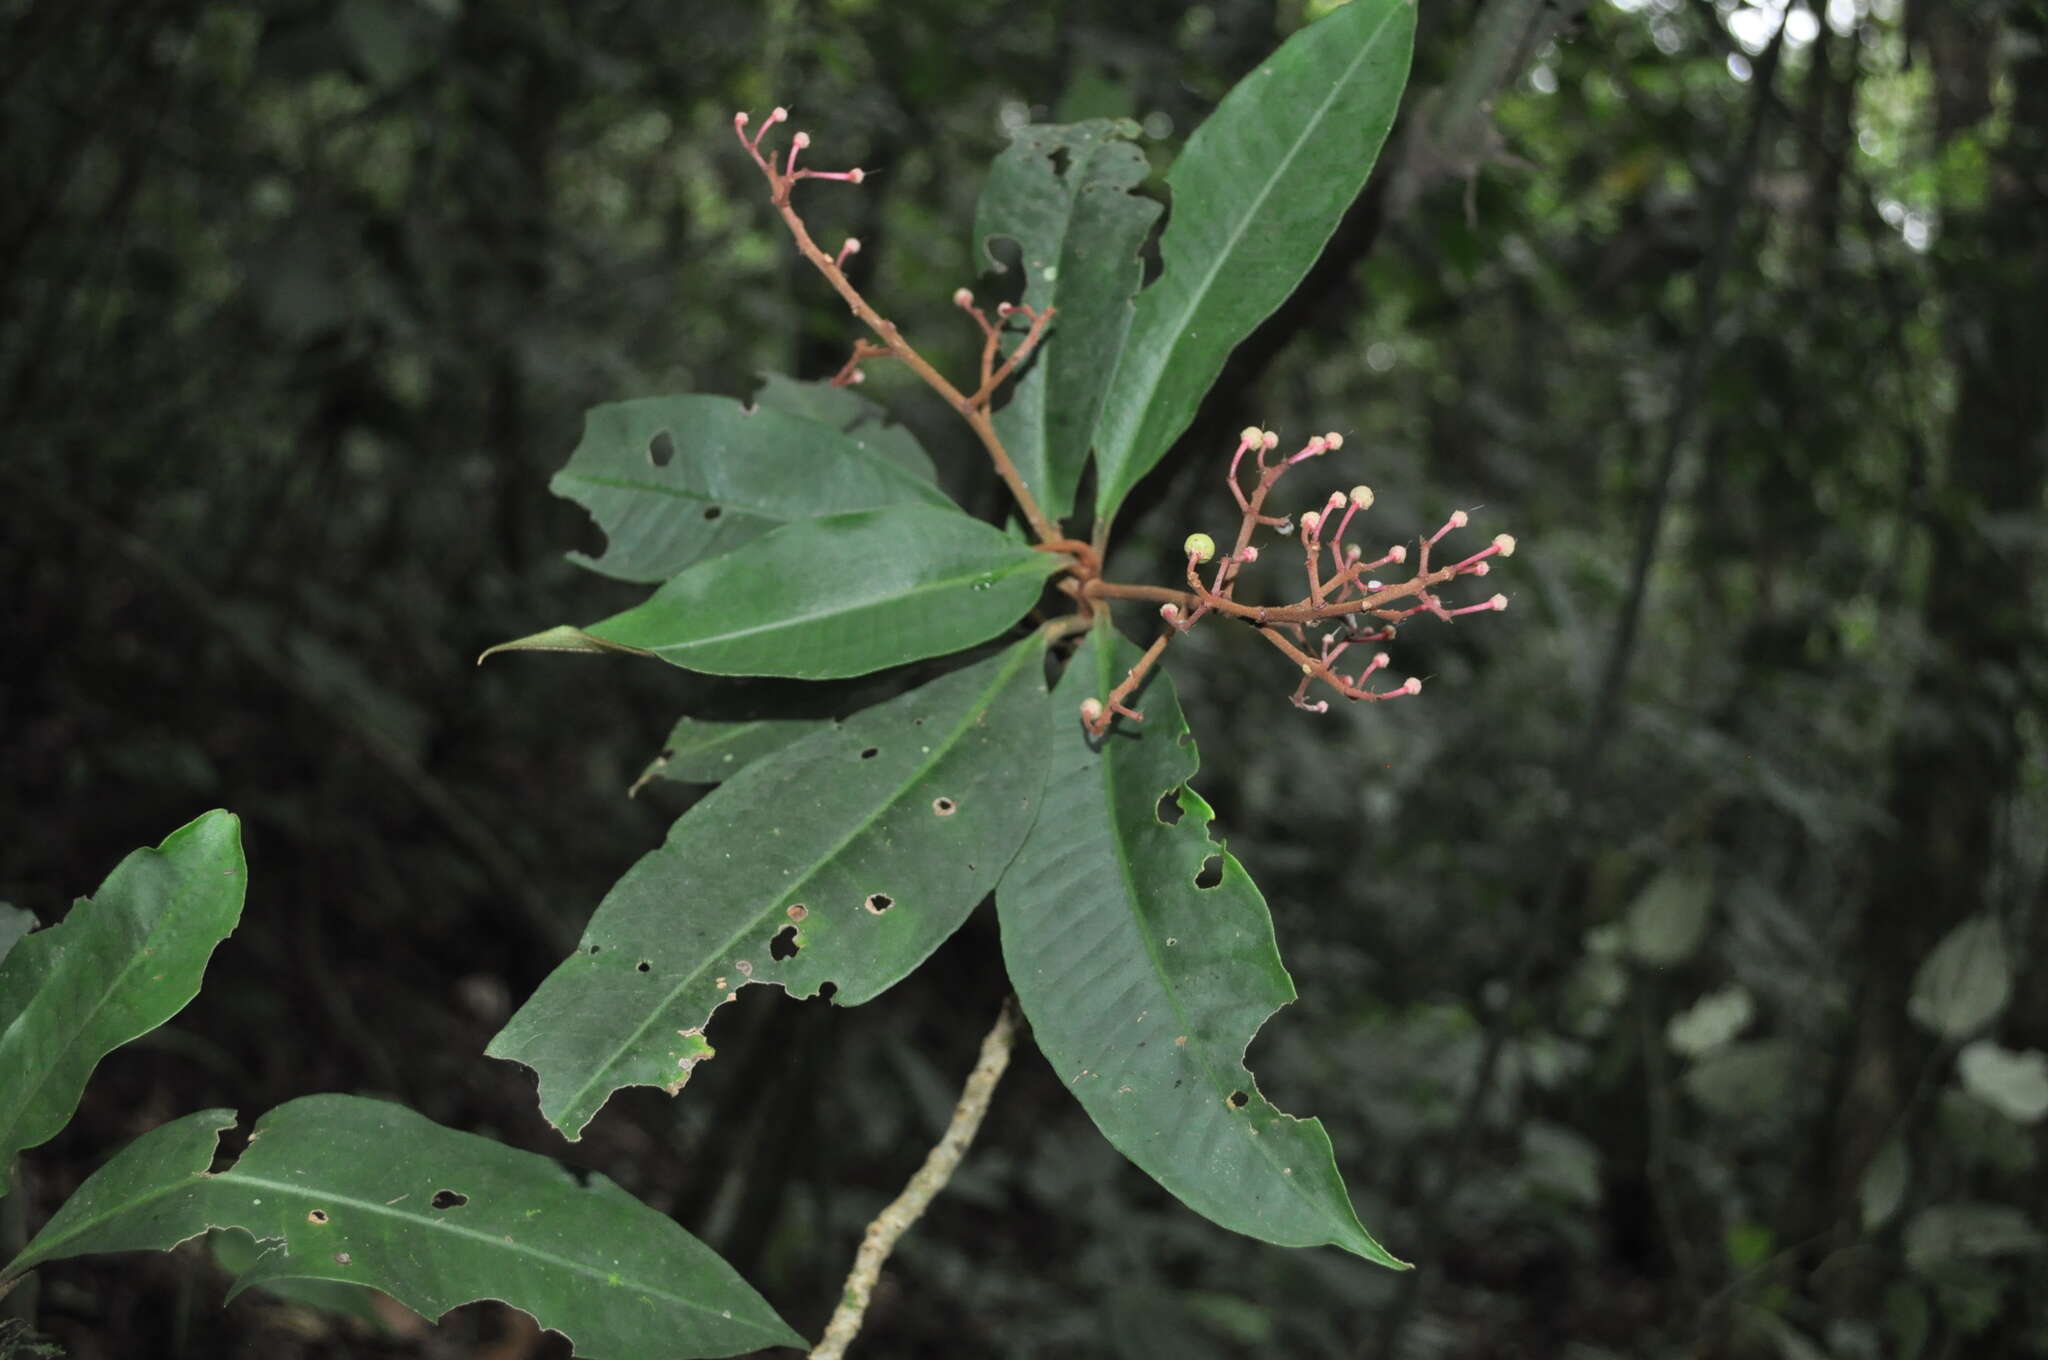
point(828, 598)
point(1258, 190)
point(1063, 195)
point(672, 480)
point(124, 961)
point(340, 1188)
point(847, 858)
point(1144, 990)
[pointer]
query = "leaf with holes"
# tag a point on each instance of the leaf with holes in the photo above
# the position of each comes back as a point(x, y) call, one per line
point(1257, 192)
point(844, 859)
point(673, 480)
point(367, 1193)
point(853, 415)
point(124, 961)
point(1143, 989)
point(1063, 194)
point(828, 598)
point(701, 752)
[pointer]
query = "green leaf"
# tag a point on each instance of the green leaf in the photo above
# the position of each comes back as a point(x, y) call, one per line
point(1144, 990)
point(853, 415)
point(860, 848)
point(368, 1193)
point(700, 752)
point(1965, 982)
point(1256, 194)
point(829, 598)
point(1947, 1233)
point(1063, 194)
point(1669, 919)
point(1883, 1187)
point(2014, 1084)
point(123, 962)
point(236, 1253)
point(726, 475)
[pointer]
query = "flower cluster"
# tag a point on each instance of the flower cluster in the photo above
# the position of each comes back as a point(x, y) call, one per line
point(1348, 604)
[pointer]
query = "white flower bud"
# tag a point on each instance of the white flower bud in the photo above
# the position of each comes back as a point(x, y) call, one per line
point(1334, 440)
point(1506, 544)
point(1250, 436)
point(1412, 685)
point(1091, 711)
point(962, 298)
point(1310, 523)
point(1499, 602)
point(1361, 497)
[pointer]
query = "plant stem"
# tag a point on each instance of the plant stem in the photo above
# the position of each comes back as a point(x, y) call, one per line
point(938, 1168)
point(973, 409)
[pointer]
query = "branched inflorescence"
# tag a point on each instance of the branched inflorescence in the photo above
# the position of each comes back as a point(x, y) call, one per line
point(1346, 605)
point(996, 367)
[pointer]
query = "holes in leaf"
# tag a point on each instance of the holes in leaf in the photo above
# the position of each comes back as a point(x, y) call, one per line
point(594, 948)
point(643, 967)
point(1169, 807)
point(449, 1199)
point(316, 1216)
point(1238, 1100)
point(879, 903)
point(713, 511)
point(828, 990)
point(784, 945)
point(797, 912)
point(1211, 872)
point(661, 449)
point(945, 807)
point(871, 753)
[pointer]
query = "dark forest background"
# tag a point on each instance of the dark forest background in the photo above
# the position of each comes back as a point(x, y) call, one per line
point(1618, 949)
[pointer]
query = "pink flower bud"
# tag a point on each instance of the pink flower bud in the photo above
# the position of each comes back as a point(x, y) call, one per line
point(1091, 711)
point(1499, 602)
point(1250, 554)
point(1412, 685)
point(1169, 611)
point(1310, 523)
point(856, 175)
point(1398, 553)
point(801, 140)
point(740, 119)
point(778, 114)
point(1334, 440)
point(1004, 309)
point(1506, 544)
point(962, 298)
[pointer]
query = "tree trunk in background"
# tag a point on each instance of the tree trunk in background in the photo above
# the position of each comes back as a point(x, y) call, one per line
point(1958, 752)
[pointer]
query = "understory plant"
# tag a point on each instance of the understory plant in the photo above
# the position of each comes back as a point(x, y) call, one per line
point(805, 537)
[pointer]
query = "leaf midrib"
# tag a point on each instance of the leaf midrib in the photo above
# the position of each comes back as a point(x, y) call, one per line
point(1179, 327)
point(1172, 992)
point(784, 622)
point(1021, 651)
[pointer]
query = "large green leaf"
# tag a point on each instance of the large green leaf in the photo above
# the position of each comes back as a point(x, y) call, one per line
point(123, 962)
point(14, 923)
point(844, 859)
point(853, 415)
point(828, 598)
point(369, 1193)
point(1143, 989)
point(1257, 191)
point(727, 474)
point(1063, 195)
point(702, 752)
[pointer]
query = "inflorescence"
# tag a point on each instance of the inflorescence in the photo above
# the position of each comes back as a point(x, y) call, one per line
point(1345, 601)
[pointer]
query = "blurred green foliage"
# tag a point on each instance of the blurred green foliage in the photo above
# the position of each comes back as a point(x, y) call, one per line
point(1610, 946)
